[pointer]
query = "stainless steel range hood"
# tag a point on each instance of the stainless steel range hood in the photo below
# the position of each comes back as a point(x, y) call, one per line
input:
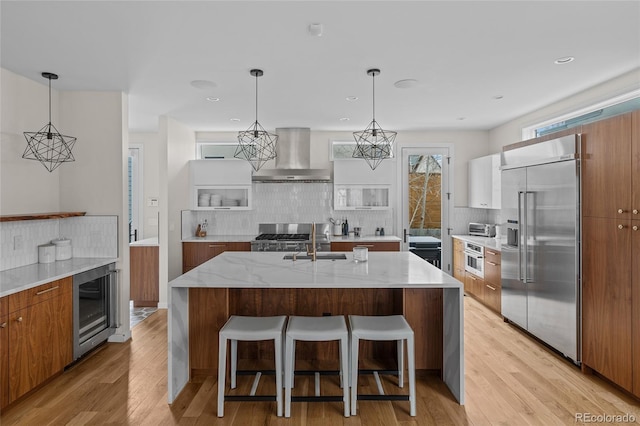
point(293, 159)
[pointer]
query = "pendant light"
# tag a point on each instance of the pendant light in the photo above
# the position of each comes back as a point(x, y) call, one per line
point(255, 144)
point(373, 143)
point(47, 145)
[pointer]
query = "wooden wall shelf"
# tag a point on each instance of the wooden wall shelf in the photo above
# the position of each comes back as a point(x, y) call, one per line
point(40, 216)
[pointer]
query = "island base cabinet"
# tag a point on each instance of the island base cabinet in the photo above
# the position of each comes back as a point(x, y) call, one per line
point(40, 335)
point(210, 308)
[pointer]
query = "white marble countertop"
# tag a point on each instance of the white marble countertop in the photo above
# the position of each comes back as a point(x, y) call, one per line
point(490, 243)
point(146, 242)
point(364, 239)
point(269, 270)
point(26, 277)
point(221, 239)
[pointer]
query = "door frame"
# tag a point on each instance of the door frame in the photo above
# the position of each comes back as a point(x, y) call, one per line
point(138, 190)
point(447, 151)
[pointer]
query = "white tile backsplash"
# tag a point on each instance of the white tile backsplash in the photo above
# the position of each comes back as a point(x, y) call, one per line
point(91, 236)
point(285, 203)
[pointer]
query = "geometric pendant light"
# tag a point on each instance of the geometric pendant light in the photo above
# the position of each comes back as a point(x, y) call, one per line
point(255, 144)
point(47, 145)
point(373, 143)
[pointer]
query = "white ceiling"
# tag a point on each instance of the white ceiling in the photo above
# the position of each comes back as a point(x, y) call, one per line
point(463, 54)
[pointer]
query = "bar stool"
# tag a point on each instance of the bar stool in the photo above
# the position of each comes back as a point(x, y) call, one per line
point(249, 329)
point(383, 328)
point(315, 329)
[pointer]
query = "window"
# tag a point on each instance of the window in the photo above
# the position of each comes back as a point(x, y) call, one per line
point(210, 150)
point(340, 150)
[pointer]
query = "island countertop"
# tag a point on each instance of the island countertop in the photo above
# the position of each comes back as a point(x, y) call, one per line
point(270, 270)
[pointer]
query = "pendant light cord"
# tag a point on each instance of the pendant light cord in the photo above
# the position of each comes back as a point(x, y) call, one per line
point(256, 97)
point(49, 100)
point(373, 83)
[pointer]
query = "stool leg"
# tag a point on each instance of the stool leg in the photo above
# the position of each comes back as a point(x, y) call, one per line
point(222, 372)
point(344, 370)
point(234, 362)
point(353, 373)
point(400, 348)
point(412, 375)
point(342, 376)
point(278, 348)
point(289, 364)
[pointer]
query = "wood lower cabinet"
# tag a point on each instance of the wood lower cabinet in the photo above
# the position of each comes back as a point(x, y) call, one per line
point(458, 260)
point(635, 307)
point(4, 352)
point(40, 335)
point(144, 275)
point(474, 285)
point(487, 290)
point(372, 246)
point(196, 253)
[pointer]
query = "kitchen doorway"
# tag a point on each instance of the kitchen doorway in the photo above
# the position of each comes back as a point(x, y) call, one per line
point(134, 173)
point(426, 204)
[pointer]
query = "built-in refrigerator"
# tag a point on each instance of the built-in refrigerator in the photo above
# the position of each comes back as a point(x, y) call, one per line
point(540, 252)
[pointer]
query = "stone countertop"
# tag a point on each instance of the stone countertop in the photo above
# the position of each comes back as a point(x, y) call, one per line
point(270, 270)
point(490, 243)
point(364, 239)
point(26, 277)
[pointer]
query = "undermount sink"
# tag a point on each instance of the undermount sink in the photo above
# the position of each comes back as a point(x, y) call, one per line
point(319, 256)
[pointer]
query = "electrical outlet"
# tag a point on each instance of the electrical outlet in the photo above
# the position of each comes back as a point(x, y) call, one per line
point(18, 242)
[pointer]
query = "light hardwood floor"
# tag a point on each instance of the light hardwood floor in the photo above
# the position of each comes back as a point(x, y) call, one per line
point(510, 380)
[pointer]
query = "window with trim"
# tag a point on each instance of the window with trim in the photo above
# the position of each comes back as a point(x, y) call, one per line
point(342, 150)
point(215, 150)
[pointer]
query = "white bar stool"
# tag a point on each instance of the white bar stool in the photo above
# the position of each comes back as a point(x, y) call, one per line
point(315, 329)
point(249, 329)
point(383, 328)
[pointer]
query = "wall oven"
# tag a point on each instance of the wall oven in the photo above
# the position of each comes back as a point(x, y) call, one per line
point(474, 259)
point(94, 308)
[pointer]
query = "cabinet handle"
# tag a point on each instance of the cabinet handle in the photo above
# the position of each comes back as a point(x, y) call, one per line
point(491, 287)
point(620, 211)
point(473, 278)
point(365, 245)
point(621, 226)
point(19, 319)
point(635, 227)
point(3, 325)
point(492, 253)
point(216, 245)
point(635, 211)
point(492, 264)
point(47, 290)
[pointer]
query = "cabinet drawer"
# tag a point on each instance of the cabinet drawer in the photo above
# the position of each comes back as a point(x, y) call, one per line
point(39, 294)
point(473, 285)
point(379, 246)
point(492, 296)
point(491, 255)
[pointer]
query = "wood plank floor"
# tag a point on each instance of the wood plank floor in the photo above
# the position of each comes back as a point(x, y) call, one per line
point(510, 380)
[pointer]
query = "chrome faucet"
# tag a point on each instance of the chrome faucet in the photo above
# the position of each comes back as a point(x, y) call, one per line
point(312, 253)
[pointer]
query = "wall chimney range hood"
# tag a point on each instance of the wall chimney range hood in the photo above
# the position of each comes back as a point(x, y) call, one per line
point(293, 160)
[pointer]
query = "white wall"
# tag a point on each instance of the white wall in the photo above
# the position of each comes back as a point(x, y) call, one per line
point(511, 132)
point(467, 145)
point(25, 185)
point(150, 179)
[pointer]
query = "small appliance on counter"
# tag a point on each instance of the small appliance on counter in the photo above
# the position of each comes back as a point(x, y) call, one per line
point(63, 248)
point(47, 253)
point(482, 230)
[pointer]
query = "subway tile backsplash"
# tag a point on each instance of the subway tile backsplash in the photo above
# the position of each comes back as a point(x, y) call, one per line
point(91, 236)
point(285, 203)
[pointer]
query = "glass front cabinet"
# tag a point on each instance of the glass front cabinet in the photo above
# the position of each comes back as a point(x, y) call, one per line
point(361, 197)
point(221, 184)
point(357, 187)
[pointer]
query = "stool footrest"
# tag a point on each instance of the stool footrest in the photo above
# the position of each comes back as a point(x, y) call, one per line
point(383, 397)
point(336, 398)
point(249, 397)
point(390, 372)
point(254, 372)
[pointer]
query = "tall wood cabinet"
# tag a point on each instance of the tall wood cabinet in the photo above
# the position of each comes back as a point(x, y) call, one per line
point(4, 352)
point(610, 249)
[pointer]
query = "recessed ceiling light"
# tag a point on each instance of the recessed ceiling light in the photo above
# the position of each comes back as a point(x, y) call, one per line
point(352, 98)
point(406, 84)
point(234, 119)
point(497, 97)
point(315, 30)
point(461, 118)
point(345, 119)
point(203, 84)
point(212, 99)
point(565, 60)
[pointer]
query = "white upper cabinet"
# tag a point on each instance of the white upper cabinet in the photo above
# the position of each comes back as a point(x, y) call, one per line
point(221, 184)
point(484, 182)
point(357, 187)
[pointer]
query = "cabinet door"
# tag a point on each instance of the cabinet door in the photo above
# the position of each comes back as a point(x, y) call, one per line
point(606, 168)
point(474, 285)
point(492, 296)
point(144, 275)
point(635, 299)
point(194, 254)
point(4, 352)
point(635, 151)
point(606, 298)
point(480, 185)
point(458, 260)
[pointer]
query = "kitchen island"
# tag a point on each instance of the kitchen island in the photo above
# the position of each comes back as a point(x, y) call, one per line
point(259, 283)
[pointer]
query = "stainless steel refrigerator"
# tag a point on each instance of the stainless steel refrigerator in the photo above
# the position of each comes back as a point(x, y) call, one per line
point(540, 252)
